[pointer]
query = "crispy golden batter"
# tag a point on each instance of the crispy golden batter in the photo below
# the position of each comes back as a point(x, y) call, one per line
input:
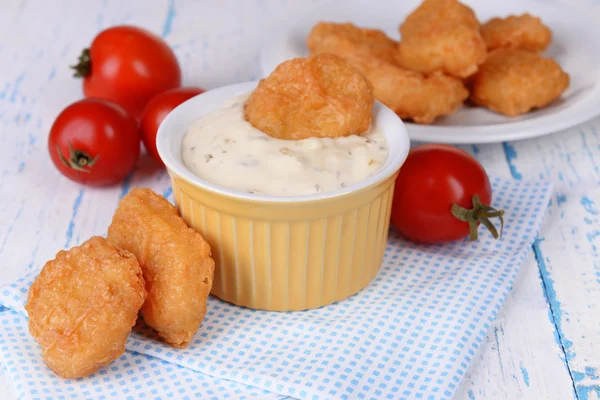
point(83, 305)
point(174, 258)
point(318, 96)
point(524, 32)
point(453, 49)
point(514, 81)
point(433, 13)
point(441, 35)
point(410, 94)
point(348, 38)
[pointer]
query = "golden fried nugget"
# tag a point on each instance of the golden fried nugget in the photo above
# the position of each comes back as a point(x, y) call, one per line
point(83, 305)
point(349, 38)
point(524, 32)
point(441, 35)
point(433, 13)
point(317, 96)
point(514, 81)
point(456, 50)
point(410, 94)
point(175, 260)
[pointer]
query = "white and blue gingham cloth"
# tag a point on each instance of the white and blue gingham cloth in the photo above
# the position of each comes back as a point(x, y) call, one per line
point(410, 334)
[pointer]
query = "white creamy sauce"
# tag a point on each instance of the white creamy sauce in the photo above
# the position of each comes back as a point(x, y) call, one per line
point(225, 149)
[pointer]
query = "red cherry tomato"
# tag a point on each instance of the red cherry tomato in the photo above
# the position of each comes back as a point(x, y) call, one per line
point(94, 141)
point(155, 112)
point(433, 178)
point(129, 66)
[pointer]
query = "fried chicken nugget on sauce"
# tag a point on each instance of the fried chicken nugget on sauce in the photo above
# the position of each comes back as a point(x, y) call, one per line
point(441, 35)
point(523, 31)
point(175, 261)
point(83, 305)
point(514, 81)
point(348, 38)
point(317, 96)
point(410, 94)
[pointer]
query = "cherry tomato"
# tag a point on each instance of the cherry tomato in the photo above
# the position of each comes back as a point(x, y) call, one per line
point(442, 193)
point(94, 141)
point(155, 112)
point(129, 66)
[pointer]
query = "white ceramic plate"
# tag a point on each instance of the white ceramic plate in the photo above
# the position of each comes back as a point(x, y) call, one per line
point(575, 46)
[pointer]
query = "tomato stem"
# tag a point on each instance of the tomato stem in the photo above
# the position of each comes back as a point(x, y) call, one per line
point(84, 66)
point(479, 213)
point(78, 160)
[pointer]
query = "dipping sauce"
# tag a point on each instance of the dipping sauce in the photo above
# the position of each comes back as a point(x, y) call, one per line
point(225, 149)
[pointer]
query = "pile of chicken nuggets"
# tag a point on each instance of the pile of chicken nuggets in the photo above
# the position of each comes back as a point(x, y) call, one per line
point(85, 302)
point(446, 57)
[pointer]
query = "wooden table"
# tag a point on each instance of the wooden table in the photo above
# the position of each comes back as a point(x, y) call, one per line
point(545, 343)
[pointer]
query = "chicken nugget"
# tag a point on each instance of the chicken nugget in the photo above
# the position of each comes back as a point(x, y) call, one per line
point(433, 13)
point(348, 38)
point(441, 35)
point(83, 305)
point(514, 81)
point(175, 261)
point(410, 94)
point(317, 96)
point(524, 32)
point(456, 50)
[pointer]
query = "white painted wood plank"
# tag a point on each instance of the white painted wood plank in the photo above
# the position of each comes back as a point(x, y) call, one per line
point(569, 249)
point(519, 358)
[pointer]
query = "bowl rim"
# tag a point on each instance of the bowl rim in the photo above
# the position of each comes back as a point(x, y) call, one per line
point(194, 108)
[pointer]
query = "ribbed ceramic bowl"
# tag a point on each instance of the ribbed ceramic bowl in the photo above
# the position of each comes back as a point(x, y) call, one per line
point(285, 253)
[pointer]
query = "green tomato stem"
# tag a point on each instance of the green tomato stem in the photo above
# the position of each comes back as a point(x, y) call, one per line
point(78, 159)
point(83, 67)
point(479, 213)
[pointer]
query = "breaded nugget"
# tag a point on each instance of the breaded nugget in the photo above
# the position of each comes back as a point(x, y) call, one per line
point(514, 81)
point(433, 13)
point(83, 305)
point(349, 38)
point(441, 35)
point(317, 96)
point(524, 32)
point(175, 261)
point(456, 50)
point(411, 94)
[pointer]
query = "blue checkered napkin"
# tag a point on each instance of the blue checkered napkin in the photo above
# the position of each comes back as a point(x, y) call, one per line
point(133, 376)
point(410, 334)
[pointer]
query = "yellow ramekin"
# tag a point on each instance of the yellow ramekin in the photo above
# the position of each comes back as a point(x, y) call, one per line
point(285, 253)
